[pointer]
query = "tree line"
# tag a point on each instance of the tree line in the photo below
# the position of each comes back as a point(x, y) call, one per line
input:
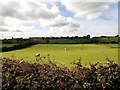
point(23, 43)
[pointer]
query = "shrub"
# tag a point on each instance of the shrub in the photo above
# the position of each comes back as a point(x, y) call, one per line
point(48, 76)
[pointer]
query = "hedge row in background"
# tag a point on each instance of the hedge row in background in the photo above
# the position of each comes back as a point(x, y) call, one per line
point(65, 40)
point(48, 76)
point(15, 47)
point(20, 43)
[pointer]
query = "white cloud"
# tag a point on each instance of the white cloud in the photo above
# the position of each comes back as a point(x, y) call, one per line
point(91, 0)
point(15, 13)
point(57, 21)
point(19, 17)
point(89, 10)
point(28, 10)
point(61, 24)
point(64, 25)
point(99, 27)
point(17, 28)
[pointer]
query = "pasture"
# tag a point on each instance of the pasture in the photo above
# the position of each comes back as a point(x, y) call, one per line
point(87, 52)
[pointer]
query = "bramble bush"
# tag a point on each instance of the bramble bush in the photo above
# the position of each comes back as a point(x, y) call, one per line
point(48, 76)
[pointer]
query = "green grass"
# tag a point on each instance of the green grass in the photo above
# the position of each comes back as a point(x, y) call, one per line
point(88, 52)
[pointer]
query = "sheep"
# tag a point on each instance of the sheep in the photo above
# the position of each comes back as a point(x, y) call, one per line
point(37, 55)
point(66, 49)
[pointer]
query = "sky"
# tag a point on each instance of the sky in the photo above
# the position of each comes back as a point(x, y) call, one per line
point(43, 18)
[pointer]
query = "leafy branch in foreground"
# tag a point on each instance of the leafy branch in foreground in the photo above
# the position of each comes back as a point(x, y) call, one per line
point(48, 76)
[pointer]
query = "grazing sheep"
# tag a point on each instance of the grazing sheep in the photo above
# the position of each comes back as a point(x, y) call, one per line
point(66, 49)
point(37, 55)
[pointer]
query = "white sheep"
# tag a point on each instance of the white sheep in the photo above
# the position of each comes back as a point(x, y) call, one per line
point(66, 49)
point(37, 55)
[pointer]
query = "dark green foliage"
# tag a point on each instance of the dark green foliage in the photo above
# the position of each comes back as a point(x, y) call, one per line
point(48, 76)
point(63, 40)
point(23, 43)
point(15, 47)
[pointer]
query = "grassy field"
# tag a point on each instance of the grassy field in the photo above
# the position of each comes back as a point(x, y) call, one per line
point(88, 52)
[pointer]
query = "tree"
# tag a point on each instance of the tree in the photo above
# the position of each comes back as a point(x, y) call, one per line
point(47, 40)
point(117, 36)
point(88, 36)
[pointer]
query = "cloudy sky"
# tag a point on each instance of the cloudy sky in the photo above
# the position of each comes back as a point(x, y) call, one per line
point(33, 18)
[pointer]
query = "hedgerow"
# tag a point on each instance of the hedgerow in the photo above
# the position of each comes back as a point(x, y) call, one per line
point(49, 76)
